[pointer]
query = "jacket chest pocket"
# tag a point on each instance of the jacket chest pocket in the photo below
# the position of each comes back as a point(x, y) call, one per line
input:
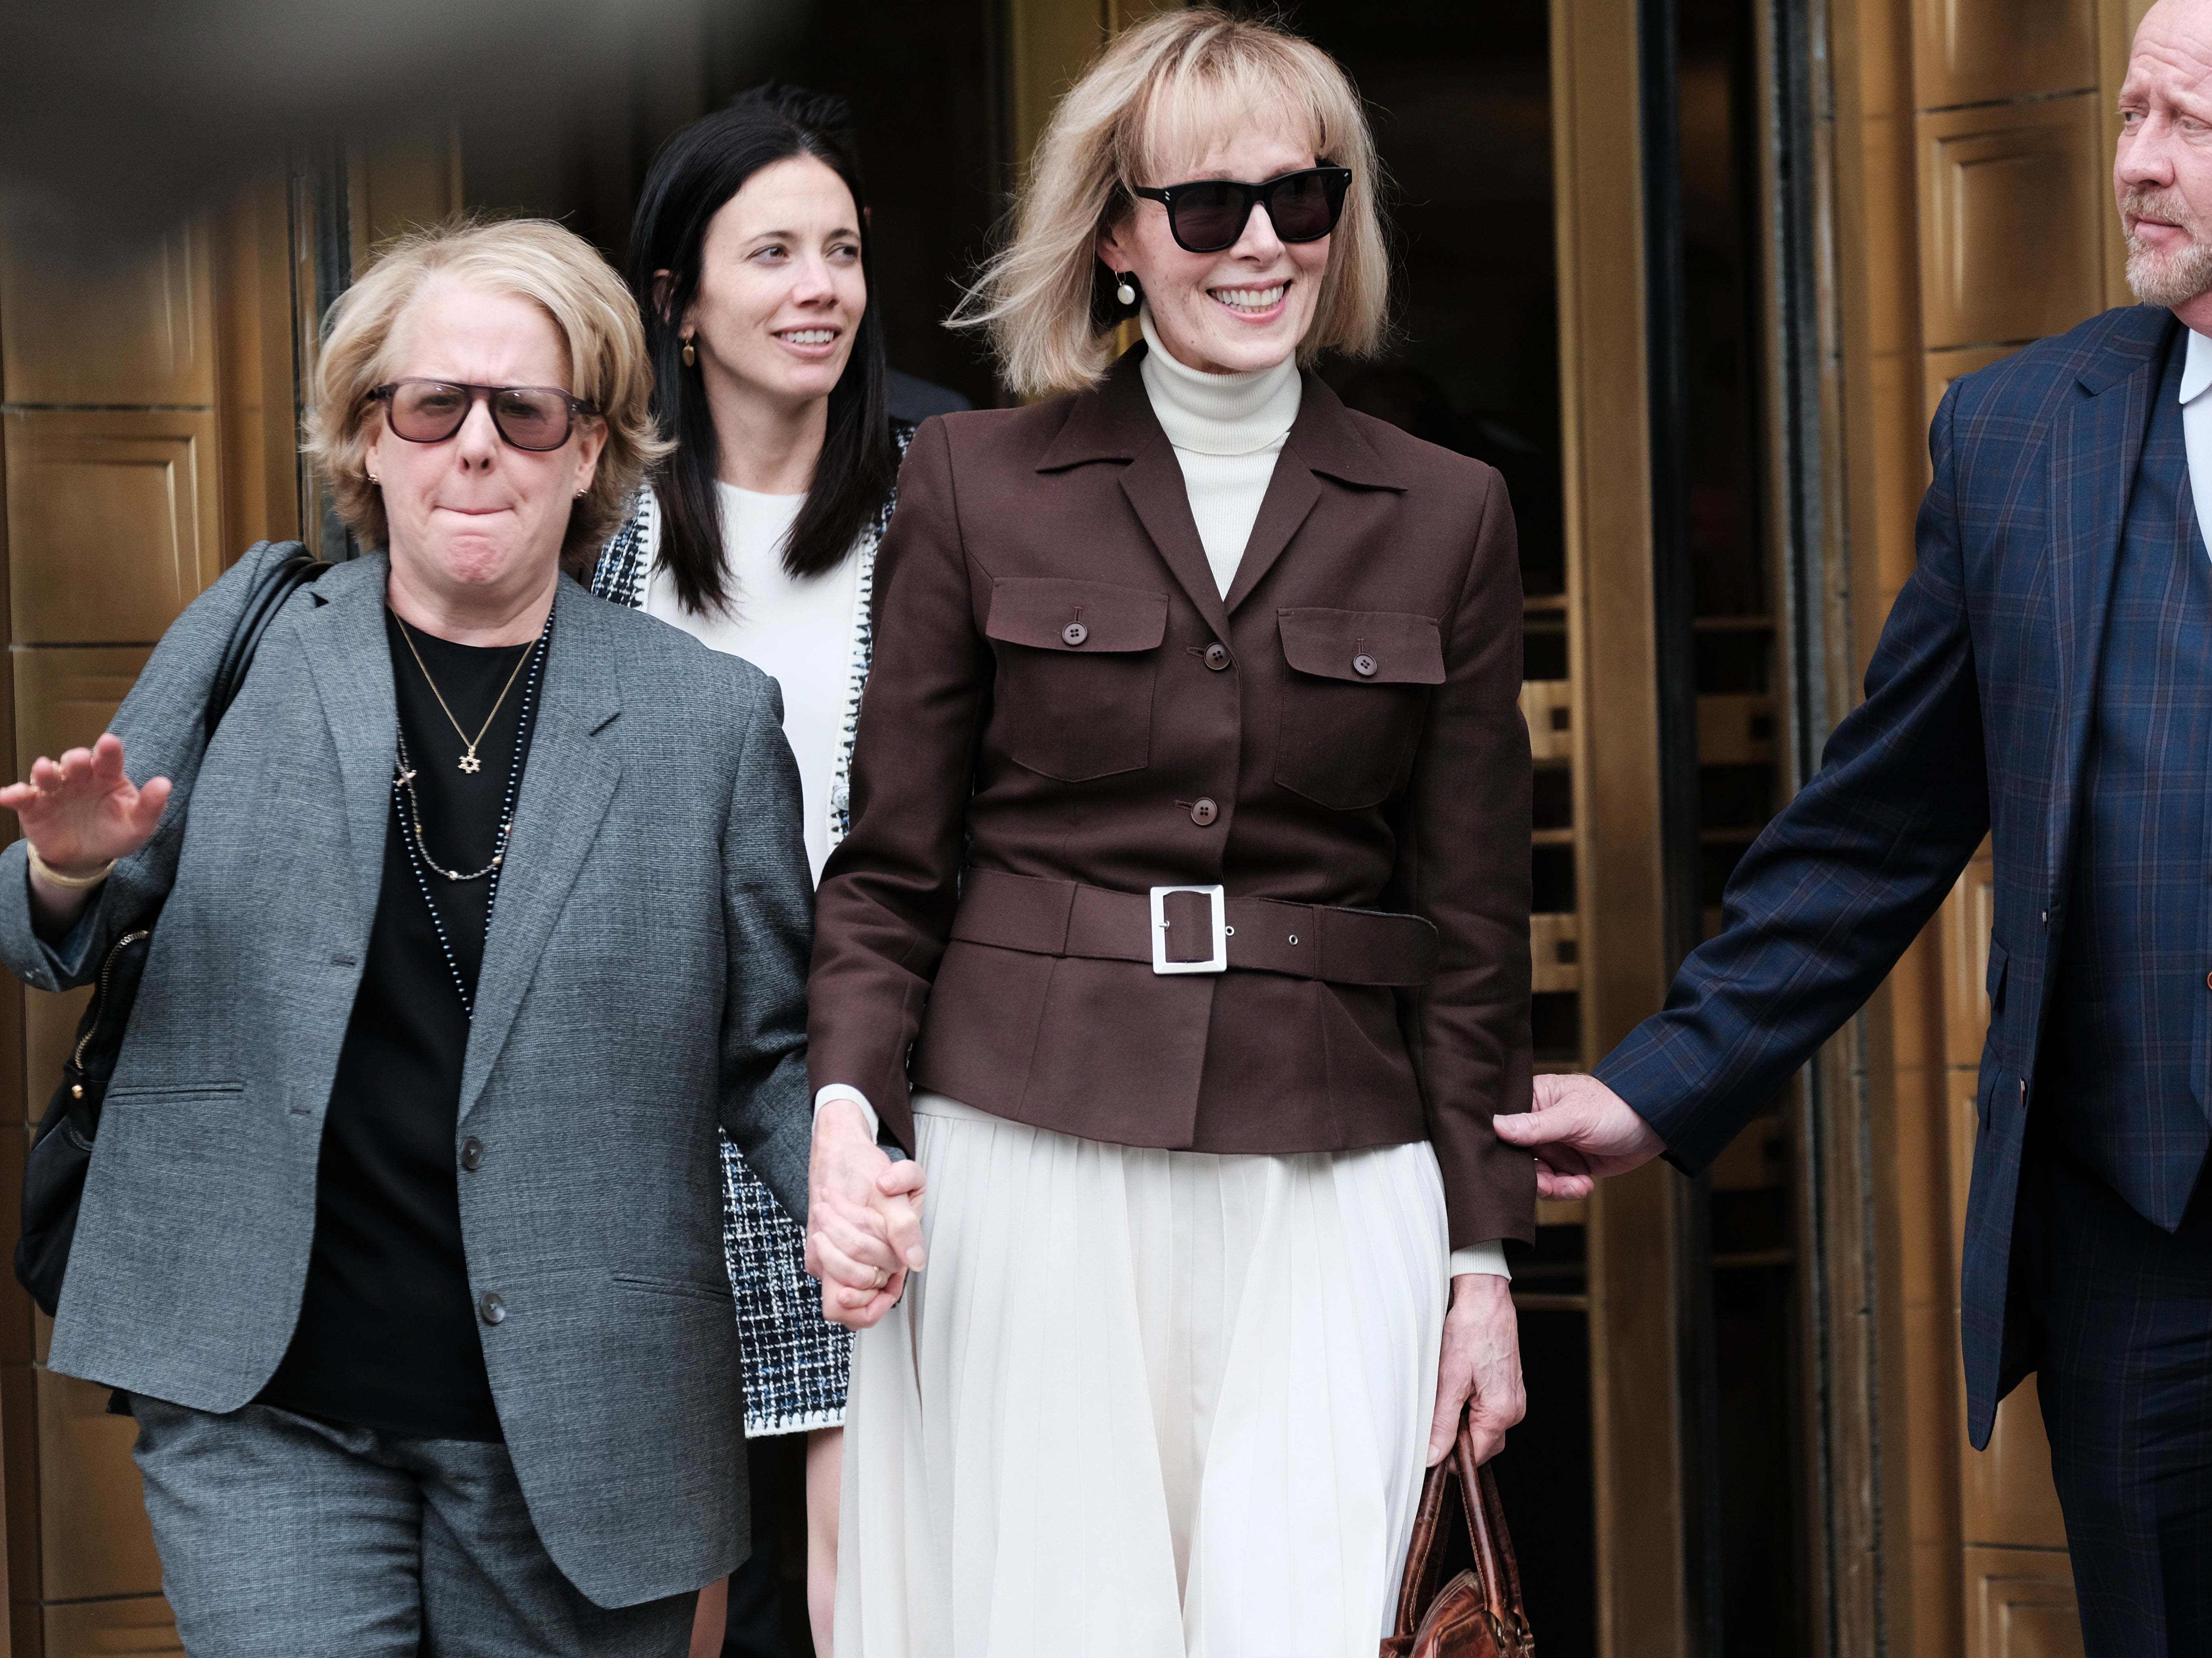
point(1077, 663)
point(1352, 712)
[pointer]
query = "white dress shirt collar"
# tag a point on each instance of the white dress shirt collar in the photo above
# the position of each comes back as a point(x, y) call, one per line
point(2196, 373)
point(2196, 430)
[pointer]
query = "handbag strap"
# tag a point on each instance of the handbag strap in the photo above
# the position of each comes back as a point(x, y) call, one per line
point(1474, 1503)
point(277, 582)
point(1515, 1612)
point(1424, 1555)
point(1497, 1572)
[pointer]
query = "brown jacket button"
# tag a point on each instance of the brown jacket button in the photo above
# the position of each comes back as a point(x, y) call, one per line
point(1217, 656)
point(1075, 633)
point(1203, 813)
point(1364, 665)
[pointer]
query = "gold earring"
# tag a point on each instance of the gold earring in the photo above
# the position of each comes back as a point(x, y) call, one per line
point(690, 355)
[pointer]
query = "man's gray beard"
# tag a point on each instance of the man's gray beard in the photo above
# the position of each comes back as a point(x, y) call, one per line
point(2169, 279)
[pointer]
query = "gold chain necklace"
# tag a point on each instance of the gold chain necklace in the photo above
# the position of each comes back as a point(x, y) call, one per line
point(469, 761)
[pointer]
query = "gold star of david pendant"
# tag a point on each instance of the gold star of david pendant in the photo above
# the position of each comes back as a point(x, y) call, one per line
point(470, 762)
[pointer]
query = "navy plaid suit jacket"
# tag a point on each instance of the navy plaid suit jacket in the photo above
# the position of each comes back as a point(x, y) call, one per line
point(1977, 720)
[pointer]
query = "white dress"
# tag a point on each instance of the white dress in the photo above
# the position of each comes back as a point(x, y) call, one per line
point(1148, 1404)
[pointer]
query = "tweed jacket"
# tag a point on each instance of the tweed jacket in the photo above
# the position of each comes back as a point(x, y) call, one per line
point(798, 1365)
point(643, 983)
point(1979, 708)
point(1062, 694)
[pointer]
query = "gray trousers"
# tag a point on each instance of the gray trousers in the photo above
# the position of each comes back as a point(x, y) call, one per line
point(282, 1537)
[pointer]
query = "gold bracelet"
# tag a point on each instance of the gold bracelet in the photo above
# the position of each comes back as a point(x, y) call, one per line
point(67, 883)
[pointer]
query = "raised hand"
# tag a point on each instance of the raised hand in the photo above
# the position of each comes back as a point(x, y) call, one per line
point(1580, 1131)
point(863, 1221)
point(81, 811)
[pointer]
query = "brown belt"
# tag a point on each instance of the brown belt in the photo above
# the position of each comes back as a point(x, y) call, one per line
point(1308, 941)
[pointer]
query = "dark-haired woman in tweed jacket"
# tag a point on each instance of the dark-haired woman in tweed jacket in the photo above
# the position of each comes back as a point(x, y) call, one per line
point(750, 262)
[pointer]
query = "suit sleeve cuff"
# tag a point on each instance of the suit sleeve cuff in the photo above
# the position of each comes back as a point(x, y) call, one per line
point(1488, 1257)
point(830, 1091)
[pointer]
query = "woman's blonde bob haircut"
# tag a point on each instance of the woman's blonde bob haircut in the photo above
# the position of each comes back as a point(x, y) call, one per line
point(1161, 93)
point(533, 260)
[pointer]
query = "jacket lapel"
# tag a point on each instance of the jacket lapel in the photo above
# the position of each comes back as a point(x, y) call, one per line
point(350, 661)
point(1324, 440)
point(568, 781)
point(2096, 449)
point(1291, 493)
point(1155, 487)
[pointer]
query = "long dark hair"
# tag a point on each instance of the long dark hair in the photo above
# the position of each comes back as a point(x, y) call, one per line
point(697, 170)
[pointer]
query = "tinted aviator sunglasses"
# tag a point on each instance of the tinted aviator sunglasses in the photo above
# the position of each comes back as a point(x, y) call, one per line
point(1209, 214)
point(535, 418)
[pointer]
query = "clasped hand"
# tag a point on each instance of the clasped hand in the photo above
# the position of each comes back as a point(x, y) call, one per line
point(863, 1219)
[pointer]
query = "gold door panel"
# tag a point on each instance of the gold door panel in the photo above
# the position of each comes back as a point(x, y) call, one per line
point(1975, 52)
point(2005, 1494)
point(137, 1627)
point(94, 1537)
point(109, 321)
point(2021, 1605)
point(2011, 222)
point(113, 522)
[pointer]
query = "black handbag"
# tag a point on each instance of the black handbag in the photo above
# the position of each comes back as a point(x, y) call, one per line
point(61, 1152)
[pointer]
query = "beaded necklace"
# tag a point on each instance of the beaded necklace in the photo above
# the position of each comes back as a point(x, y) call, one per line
point(410, 808)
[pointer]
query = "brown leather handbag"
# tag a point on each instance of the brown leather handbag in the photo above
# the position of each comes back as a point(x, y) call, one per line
point(1475, 1614)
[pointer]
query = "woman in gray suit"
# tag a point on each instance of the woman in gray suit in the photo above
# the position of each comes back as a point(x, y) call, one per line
point(483, 908)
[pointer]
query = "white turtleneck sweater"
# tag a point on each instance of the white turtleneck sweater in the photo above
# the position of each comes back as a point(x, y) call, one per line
point(1227, 431)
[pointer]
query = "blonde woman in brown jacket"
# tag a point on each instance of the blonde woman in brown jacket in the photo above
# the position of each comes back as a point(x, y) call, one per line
point(1181, 934)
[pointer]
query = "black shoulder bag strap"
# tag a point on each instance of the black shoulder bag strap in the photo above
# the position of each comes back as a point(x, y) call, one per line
point(61, 1152)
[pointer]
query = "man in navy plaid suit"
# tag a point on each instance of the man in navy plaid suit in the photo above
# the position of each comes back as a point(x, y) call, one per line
point(2045, 678)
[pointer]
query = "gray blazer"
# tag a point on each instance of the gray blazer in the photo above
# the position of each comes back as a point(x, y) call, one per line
point(644, 980)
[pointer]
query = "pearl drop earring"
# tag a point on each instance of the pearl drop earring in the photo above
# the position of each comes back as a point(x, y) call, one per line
point(1127, 291)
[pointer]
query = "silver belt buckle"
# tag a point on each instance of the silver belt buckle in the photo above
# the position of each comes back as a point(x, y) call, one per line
point(1219, 964)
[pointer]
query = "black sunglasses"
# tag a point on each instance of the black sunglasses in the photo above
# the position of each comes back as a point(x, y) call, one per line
point(1210, 214)
point(534, 418)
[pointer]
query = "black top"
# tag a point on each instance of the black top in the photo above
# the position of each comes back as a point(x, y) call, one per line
point(387, 1332)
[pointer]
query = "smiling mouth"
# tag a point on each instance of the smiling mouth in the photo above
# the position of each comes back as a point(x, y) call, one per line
point(1251, 300)
point(808, 336)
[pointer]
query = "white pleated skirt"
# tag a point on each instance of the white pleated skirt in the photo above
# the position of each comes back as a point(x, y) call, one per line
point(1143, 1404)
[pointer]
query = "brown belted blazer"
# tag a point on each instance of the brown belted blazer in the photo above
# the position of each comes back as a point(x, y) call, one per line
point(1065, 713)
